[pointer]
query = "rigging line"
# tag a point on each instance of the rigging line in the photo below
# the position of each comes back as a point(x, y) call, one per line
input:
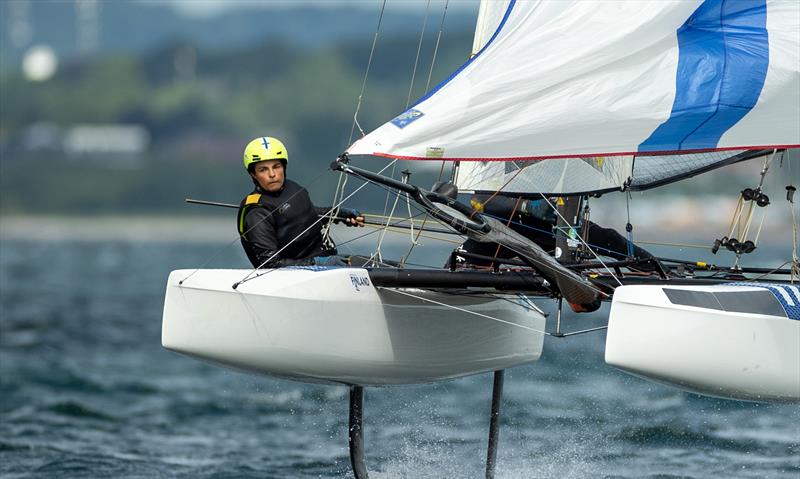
point(411, 83)
point(336, 194)
point(383, 217)
point(377, 252)
point(239, 236)
point(436, 48)
point(677, 245)
point(248, 276)
point(341, 195)
point(737, 214)
point(761, 225)
point(590, 330)
point(794, 270)
point(414, 241)
point(411, 223)
point(498, 296)
point(401, 223)
point(764, 275)
point(521, 326)
point(790, 199)
point(366, 75)
point(582, 241)
point(628, 225)
point(498, 191)
point(508, 224)
point(419, 49)
point(425, 220)
point(749, 219)
point(386, 200)
point(398, 229)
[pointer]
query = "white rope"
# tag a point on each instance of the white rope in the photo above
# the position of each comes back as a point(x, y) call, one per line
point(742, 224)
point(737, 213)
point(761, 225)
point(492, 318)
point(408, 102)
point(743, 233)
point(377, 254)
point(337, 195)
point(414, 241)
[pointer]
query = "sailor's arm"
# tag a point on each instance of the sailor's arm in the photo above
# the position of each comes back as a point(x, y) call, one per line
point(502, 207)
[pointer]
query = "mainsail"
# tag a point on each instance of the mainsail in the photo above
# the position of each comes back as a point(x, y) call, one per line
point(576, 96)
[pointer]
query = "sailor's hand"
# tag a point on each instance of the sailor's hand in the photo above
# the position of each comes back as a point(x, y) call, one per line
point(350, 217)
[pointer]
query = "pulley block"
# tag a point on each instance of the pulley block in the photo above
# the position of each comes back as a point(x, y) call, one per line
point(750, 194)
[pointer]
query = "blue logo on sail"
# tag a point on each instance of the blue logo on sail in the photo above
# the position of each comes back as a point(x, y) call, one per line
point(407, 117)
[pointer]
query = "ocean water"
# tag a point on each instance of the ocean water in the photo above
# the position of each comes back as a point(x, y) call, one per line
point(87, 391)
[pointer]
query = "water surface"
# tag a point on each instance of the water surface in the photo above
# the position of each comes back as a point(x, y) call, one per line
point(87, 391)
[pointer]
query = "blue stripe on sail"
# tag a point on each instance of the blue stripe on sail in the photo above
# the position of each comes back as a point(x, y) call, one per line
point(723, 54)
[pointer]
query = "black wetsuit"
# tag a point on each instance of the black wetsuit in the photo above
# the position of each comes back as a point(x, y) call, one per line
point(270, 222)
point(535, 219)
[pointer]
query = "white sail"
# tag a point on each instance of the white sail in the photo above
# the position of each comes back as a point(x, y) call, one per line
point(584, 78)
point(490, 14)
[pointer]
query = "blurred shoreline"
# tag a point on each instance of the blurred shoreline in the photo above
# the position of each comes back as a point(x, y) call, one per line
point(134, 228)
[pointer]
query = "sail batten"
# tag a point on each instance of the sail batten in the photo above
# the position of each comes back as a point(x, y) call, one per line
point(570, 79)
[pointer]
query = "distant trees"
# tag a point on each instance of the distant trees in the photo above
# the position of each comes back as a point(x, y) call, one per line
point(200, 107)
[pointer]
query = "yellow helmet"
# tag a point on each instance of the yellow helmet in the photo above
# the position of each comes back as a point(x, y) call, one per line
point(263, 149)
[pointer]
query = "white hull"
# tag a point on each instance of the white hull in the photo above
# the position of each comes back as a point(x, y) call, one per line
point(716, 352)
point(333, 325)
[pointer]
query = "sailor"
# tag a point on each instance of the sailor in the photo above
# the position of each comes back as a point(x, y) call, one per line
point(277, 222)
point(535, 220)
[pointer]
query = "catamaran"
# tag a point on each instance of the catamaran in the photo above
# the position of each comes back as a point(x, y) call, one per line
point(560, 101)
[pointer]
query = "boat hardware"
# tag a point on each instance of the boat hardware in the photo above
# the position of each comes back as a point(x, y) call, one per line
point(494, 423)
point(736, 240)
point(431, 278)
point(558, 333)
point(581, 295)
point(569, 210)
point(355, 432)
point(405, 175)
point(583, 248)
